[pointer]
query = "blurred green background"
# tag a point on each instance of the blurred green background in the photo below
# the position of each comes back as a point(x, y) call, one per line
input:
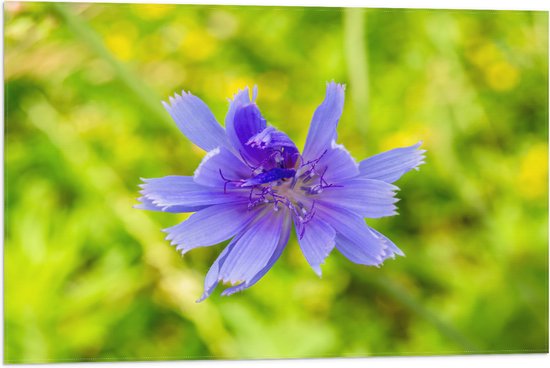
point(87, 277)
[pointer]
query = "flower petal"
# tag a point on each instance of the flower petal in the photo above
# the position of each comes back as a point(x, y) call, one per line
point(254, 249)
point(322, 130)
point(213, 276)
point(338, 163)
point(316, 243)
point(353, 237)
point(391, 165)
point(147, 204)
point(275, 141)
point(218, 162)
point(210, 226)
point(365, 197)
point(391, 249)
point(196, 121)
point(283, 240)
point(244, 120)
point(172, 191)
point(211, 279)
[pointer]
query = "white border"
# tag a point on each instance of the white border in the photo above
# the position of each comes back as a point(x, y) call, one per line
point(501, 361)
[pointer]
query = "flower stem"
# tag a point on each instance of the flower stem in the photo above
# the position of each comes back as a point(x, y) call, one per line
point(146, 96)
point(355, 44)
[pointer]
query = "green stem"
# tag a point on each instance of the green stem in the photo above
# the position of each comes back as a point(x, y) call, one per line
point(148, 98)
point(357, 63)
point(404, 298)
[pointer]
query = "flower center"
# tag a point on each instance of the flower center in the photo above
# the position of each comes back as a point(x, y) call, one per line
point(291, 188)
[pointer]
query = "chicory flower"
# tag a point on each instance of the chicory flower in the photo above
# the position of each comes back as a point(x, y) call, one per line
point(254, 183)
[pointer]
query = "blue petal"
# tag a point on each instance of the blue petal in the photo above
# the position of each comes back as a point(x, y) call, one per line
point(210, 226)
point(214, 275)
point(243, 120)
point(254, 249)
point(365, 197)
point(175, 191)
point(322, 130)
point(316, 243)
point(218, 162)
point(196, 121)
point(211, 279)
point(283, 240)
point(391, 249)
point(353, 237)
point(147, 204)
point(338, 163)
point(391, 165)
point(270, 140)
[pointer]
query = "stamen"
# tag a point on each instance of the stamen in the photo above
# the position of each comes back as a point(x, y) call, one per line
point(269, 184)
point(246, 161)
point(227, 181)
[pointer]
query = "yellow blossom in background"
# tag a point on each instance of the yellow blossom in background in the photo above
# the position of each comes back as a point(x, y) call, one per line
point(273, 85)
point(502, 76)
point(232, 84)
point(153, 11)
point(198, 45)
point(121, 39)
point(533, 172)
point(484, 54)
point(120, 45)
point(406, 138)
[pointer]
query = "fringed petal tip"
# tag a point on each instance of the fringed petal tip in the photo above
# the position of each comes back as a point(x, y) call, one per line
point(204, 296)
point(390, 165)
point(317, 270)
point(390, 250)
point(143, 183)
point(325, 119)
point(333, 85)
point(244, 96)
point(235, 289)
point(148, 204)
point(421, 154)
point(195, 120)
point(144, 204)
point(227, 292)
point(175, 99)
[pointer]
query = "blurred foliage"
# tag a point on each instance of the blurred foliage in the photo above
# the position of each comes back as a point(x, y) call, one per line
point(87, 277)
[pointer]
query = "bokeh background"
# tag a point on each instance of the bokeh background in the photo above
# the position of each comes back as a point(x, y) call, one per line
point(87, 277)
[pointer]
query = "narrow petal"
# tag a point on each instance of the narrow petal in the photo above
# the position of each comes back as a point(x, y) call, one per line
point(196, 121)
point(254, 249)
point(316, 243)
point(210, 226)
point(243, 120)
point(391, 249)
point(337, 164)
point(218, 164)
point(248, 122)
point(356, 252)
point(391, 165)
point(364, 197)
point(322, 130)
point(283, 240)
point(174, 191)
point(353, 237)
point(147, 204)
point(211, 280)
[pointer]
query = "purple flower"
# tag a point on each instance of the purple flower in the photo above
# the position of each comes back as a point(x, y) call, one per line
point(254, 183)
